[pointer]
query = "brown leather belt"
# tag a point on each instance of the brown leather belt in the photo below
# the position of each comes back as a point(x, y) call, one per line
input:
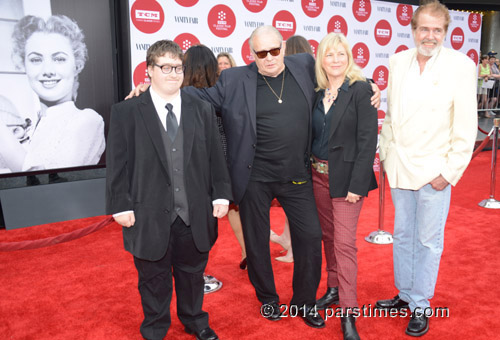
point(319, 165)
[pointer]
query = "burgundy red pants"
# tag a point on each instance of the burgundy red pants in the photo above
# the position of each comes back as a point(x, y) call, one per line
point(339, 220)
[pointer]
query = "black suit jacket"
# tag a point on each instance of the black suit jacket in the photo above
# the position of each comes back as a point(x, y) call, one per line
point(138, 179)
point(235, 96)
point(352, 142)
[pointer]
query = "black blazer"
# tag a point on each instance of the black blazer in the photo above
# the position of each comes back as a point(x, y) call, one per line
point(138, 179)
point(352, 142)
point(235, 96)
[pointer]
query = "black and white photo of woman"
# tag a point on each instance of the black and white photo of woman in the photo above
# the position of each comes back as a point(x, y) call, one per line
point(52, 53)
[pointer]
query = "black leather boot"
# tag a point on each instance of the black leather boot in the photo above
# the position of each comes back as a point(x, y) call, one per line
point(331, 297)
point(348, 324)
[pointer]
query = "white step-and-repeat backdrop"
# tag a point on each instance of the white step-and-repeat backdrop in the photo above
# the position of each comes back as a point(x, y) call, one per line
point(375, 29)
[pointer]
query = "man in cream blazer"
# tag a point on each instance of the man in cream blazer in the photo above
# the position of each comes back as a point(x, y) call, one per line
point(426, 143)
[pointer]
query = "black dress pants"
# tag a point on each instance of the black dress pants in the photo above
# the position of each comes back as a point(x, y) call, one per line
point(298, 202)
point(155, 284)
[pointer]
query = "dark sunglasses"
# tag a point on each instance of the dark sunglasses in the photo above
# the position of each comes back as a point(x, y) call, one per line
point(262, 54)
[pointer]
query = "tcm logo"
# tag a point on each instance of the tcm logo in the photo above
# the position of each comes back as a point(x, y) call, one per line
point(284, 25)
point(457, 38)
point(147, 15)
point(284, 22)
point(383, 32)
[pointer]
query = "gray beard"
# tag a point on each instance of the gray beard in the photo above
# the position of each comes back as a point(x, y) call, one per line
point(428, 53)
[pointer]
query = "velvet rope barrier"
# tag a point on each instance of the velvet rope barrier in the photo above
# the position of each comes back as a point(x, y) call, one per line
point(483, 143)
point(49, 241)
point(482, 131)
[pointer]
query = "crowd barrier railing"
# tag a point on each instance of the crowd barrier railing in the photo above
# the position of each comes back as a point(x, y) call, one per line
point(488, 98)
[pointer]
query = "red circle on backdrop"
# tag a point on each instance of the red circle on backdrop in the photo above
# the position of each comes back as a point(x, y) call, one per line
point(376, 161)
point(147, 16)
point(381, 76)
point(221, 21)
point(284, 22)
point(314, 46)
point(474, 22)
point(141, 74)
point(186, 40)
point(246, 54)
point(381, 116)
point(361, 54)
point(337, 24)
point(187, 3)
point(457, 38)
point(312, 8)
point(383, 32)
point(404, 14)
point(473, 55)
point(255, 6)
point(361, 9)
point(401, 48)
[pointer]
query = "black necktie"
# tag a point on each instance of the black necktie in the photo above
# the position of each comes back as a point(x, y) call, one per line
point(172, 124)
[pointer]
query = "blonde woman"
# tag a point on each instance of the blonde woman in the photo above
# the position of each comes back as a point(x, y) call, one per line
point(343, 147)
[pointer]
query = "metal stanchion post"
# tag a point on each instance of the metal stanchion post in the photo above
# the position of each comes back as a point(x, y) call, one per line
point(492, 203)
point(380, 236)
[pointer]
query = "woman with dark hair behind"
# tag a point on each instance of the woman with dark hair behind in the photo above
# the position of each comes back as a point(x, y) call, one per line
point(298, 44)
point(202, 71)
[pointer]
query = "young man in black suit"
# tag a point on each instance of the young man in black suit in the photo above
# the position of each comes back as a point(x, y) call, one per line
point(167, 183)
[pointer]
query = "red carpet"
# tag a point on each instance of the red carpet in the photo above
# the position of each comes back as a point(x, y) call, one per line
point(87, 288)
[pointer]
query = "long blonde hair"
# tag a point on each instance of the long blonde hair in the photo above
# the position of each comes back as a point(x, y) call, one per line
point(333, 40)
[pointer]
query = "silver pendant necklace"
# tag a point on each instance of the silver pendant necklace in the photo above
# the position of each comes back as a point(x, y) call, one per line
point(282, 86)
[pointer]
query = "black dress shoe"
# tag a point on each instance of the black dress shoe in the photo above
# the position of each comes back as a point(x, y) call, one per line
point(331, 297)
point(348, 324)
point(396, 302)
point(205, 334)
point(312, 318)
point(271, 311)
point(418, 325)
point(243, 264)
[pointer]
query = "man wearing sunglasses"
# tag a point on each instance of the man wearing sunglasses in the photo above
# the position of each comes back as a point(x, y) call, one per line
point(266, 112)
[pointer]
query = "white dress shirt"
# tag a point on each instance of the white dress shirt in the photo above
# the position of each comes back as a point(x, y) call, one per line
point(161, 110)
